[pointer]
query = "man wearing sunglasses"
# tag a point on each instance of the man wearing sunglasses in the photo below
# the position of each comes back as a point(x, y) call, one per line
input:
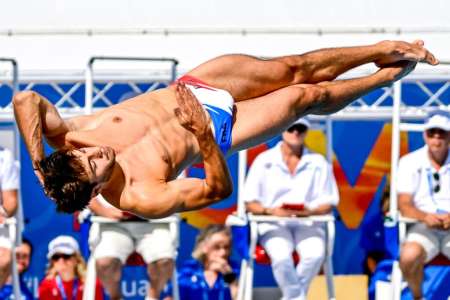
point(290, 180)
point(424, 194)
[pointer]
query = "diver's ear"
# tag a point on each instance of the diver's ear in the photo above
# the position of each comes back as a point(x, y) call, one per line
point(96, 190)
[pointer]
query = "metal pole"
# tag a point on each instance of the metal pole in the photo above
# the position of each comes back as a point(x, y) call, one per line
point(395, 154)
point(329, 129)
point(89, 87)
point(89, 74)
point(12, 231)
point(242, 170)
point(15, 228)
point(174, 70)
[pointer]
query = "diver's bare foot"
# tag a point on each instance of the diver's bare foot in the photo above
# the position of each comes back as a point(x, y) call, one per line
point(399, 50)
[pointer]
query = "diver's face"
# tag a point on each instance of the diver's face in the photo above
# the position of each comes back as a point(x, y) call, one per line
point(97, 162)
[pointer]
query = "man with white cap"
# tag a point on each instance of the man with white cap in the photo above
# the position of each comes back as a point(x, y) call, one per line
point(290, 180)
point(423, 187)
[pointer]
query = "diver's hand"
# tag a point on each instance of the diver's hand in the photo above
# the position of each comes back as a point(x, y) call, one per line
point(398, 70)
point(190, 112)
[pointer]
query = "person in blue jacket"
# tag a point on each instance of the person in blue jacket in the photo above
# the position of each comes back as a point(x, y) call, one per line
point(210, 274)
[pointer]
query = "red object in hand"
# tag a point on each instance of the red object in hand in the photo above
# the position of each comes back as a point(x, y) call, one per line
point(293, 206)
point(127, 216)
point(262, 258)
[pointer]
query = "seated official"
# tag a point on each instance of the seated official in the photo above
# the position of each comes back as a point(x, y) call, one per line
point(211, 274)
point(423, 188)
point(290, 180)
point(65, 272)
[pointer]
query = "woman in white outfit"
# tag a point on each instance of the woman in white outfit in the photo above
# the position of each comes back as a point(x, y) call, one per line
point(290, 180)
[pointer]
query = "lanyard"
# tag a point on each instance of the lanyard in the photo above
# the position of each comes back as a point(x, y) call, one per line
point(431, 191)
point(60, 286)
point(205, 287)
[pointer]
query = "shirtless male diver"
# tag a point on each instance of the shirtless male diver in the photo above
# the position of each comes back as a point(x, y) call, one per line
point(132, 152)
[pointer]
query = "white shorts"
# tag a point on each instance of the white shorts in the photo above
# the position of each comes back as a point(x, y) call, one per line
point(119, 240)
point(5, 241)
point(433, 241)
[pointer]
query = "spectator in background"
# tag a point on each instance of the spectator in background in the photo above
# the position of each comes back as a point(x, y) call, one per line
point(211, 274)
point(65, 272)
point(23, 256)
point(290, 180)
point(423, 187)
point(9, 185)
point(118, 240)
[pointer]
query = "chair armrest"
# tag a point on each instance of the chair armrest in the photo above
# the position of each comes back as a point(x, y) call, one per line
point(407, 220)
point(263, 218)
point(167, 220)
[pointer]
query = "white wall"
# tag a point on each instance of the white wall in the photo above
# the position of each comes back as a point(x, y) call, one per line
point(51, 34)
point(65, 14)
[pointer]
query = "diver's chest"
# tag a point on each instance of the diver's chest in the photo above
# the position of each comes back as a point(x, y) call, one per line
point(128, 128)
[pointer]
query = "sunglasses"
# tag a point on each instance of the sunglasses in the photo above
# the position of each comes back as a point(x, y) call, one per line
point(437, 187)
point(297, 127)
point(432, 131)
point(57, 256)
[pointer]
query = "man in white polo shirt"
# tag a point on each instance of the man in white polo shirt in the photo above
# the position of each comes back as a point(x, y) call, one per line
point(424, 194)
point(290, 180)
point(9, 185)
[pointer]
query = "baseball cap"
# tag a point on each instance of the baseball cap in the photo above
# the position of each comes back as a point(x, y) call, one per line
point(63, 244)
point(438, 119)
point(302, 121)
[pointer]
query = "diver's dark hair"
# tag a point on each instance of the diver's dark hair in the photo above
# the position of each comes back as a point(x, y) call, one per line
point(65, 181)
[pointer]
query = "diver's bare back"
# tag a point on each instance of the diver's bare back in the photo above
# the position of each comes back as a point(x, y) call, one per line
point(149, 142)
